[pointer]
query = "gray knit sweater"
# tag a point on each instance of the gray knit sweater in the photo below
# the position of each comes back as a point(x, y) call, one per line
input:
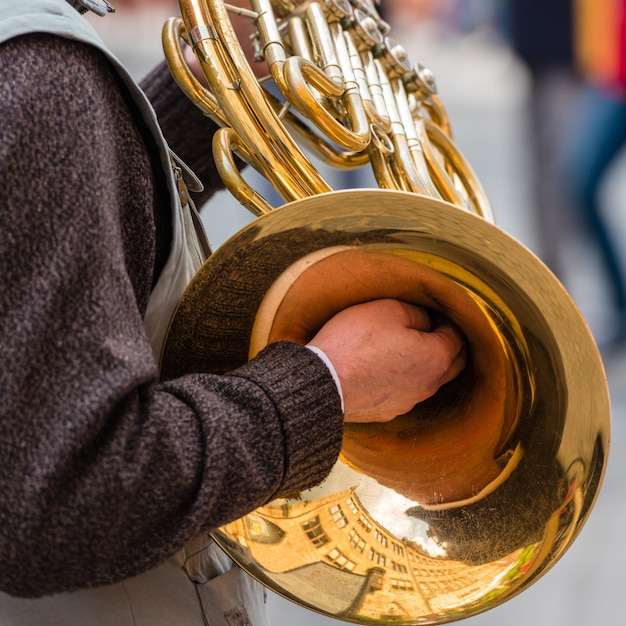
point(105, 473)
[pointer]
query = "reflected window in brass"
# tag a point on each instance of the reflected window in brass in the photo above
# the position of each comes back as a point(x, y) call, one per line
point(382, 539)
point(356, 541)
point(338, 517)
point(315, 532)
point(264, 531)
point(405, 585)
point(338, 558)
point(377, 557)
point(352, 505)
point(365, 523)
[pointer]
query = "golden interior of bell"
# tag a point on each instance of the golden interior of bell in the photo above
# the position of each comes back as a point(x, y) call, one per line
point(452, 446)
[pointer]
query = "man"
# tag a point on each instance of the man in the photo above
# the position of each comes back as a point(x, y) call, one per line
point(110, 481)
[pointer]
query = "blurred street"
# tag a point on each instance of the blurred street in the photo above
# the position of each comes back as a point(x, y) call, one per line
point(485, 91)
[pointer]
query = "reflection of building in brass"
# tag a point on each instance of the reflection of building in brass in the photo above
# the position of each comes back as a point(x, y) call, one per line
point(299, 544)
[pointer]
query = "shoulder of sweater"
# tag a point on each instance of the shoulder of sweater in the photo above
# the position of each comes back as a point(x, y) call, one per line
point(59, 60)
point(59, 83)
point(62, 105)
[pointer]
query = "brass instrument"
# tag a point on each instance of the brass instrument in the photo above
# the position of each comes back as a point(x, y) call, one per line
point(474, 494)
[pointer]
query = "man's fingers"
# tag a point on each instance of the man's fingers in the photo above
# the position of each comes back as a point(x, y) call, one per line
point(451, 350)
point(451, 337)
point(417, 316)
point(456, 367)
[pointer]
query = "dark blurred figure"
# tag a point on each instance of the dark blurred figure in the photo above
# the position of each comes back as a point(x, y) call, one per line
point(542, 35)
point(597, 136)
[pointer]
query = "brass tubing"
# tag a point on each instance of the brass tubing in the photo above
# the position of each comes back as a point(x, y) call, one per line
point(203, 98)
point(225, 142)
point(327, 152)
point(414, 144)
point(297, 173)
point(442, 176)
point(373, 100)
point(220, 76)
point(412, 179)
point(478, 198)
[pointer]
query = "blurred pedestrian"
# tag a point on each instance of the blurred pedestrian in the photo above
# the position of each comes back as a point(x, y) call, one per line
point(597, 135)
point(541, 35)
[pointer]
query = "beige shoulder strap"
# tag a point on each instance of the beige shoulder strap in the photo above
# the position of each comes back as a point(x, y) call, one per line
point(188, 252)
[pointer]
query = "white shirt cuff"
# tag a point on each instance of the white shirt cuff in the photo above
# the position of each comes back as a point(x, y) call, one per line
point(322, 355)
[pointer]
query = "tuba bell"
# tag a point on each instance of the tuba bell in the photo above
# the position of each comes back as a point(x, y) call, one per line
point(474, 494)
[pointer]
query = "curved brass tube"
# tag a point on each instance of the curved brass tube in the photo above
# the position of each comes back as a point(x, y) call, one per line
point(203, 98)
point(477, 196)
point(225, 142)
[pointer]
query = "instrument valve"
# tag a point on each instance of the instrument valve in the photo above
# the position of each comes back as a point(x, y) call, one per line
point(367, 30)
point(396, 57)
point(341, 9)
point(421, 80)
point(367, 7)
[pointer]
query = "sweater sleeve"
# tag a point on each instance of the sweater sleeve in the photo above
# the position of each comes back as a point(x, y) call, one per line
point(105, 472)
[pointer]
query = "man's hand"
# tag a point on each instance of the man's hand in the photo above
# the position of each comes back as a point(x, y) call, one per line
point(389, 357)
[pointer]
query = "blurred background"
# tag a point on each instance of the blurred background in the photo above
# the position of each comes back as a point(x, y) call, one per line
point(536, 94)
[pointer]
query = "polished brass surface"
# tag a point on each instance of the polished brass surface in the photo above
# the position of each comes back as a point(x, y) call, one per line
point(468, 499)
point(474, 494)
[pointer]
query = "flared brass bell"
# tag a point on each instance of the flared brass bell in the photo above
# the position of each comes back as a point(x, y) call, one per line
point(470, 497)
